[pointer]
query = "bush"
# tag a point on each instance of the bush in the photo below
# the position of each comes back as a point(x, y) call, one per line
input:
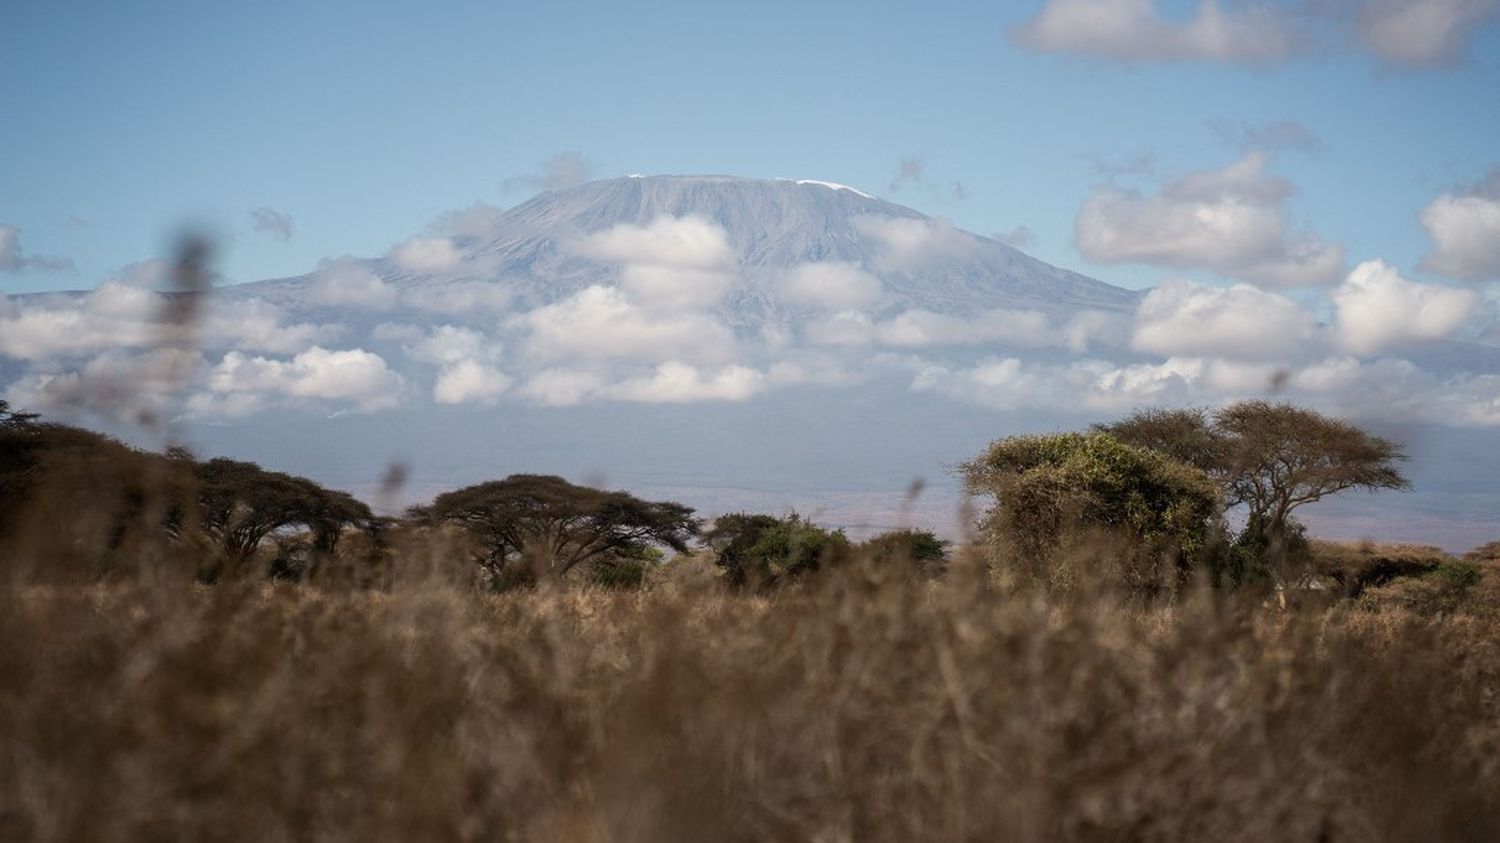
point(1357, 567)
point(919, 550)
point(764, 549)
point(1444, 589)
point(1146, 515)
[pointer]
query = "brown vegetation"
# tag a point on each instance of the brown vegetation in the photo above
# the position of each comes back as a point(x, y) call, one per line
point(355, 678)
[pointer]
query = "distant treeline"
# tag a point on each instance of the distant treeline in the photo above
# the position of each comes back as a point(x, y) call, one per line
point(1143, 505)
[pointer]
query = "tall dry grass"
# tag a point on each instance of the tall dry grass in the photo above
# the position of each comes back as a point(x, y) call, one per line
point(862, 708)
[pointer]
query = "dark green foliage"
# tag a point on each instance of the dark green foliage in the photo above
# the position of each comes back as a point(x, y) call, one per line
point(764, 550)
point(1154, 517)
point(534, 526)
point(919, 550)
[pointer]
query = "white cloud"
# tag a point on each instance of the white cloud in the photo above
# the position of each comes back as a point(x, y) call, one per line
point(1421, 32)
point(602, 323)
point(426, 254)
point(1386, 388)
point(914, 245)
point(670, 262)
point(353, 375)
point(117, 315)
point(675, 382)
point(272, 222)
point(833, 285)
point(1241, 322)
point(1465, 232)
point(1378, 309)
point(847, 327)
point(671, 382)
point(1233, 221)
point(466, 359)
point(1135, 30)
point(347, 282)
point(14, 259)
point(448, 344)
point(116, 384)
point(469, 380)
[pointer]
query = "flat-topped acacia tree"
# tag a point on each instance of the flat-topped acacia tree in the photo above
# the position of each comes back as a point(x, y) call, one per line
point(1272, 458)
point(545, 526)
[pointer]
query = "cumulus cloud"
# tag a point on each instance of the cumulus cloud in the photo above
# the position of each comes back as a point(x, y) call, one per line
point(1421, 33)
point(353, 375)
point(119, 315)
point(426, 254)
point(1386, 388)
point(119, 384)
point(912, 245)
point(671, 382)
point(1377, 309)
point(1135, 30)
point(603, 323)
point(831, 285)
point(14, 259)
point(273, 223)
point(671, 261)
point(347, 282)
point(1232, 220)
point(467, 361)
point(563, 170)
point(1465, 231)
point(1241, 322)
point(469, 380)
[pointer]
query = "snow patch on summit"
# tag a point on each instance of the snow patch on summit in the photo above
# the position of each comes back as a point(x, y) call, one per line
point(835, 186)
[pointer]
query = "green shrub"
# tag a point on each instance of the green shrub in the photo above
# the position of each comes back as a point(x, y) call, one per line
point(764, 549)
point(1146, 515)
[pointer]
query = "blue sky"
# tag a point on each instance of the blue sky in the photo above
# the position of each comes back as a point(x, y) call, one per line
point(363, 121)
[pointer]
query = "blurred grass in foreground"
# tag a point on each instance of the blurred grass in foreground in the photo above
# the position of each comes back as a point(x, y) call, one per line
point(862, 706)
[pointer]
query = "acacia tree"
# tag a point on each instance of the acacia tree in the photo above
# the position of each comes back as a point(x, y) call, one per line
point(240, 504)
point(541, 526)
point(1270, 458)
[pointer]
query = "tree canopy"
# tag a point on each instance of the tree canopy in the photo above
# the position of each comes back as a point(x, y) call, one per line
point(240, 504)
point(541, 526)
point(1270, 458)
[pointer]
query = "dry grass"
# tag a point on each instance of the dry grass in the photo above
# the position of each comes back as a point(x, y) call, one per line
point(856, 710)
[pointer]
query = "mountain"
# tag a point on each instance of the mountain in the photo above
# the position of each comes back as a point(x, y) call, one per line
point(771, 226)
